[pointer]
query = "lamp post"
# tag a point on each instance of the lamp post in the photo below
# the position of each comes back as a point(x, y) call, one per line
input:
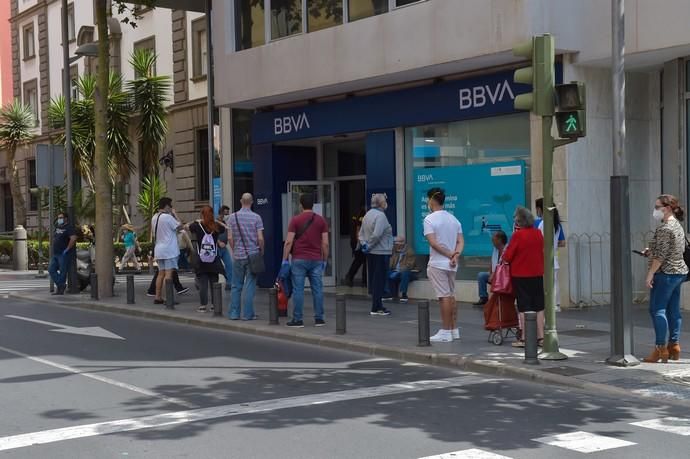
point(88, 49)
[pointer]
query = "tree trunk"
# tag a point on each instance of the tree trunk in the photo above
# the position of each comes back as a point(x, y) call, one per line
point(18, 203)
point(103, 184)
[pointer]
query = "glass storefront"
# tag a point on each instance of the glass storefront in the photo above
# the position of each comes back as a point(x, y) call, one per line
point(484, 167)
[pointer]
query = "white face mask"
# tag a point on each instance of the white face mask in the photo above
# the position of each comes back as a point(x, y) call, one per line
point(658, 215)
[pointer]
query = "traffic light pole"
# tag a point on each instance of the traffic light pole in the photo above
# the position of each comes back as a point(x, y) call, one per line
point(551, 348)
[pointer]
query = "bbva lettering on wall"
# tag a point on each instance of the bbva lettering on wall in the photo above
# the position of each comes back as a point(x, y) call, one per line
point(478, 96)
point(289, 124)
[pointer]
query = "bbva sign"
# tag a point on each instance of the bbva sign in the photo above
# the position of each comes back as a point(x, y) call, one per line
point(290, 124)
point(479, 96)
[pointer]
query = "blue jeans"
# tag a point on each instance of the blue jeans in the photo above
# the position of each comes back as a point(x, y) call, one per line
point(398, 279)
point(664, 306)
point(300, 270)
point(225, 257)
point(378, 268)
point(58, 267)
point(483, 282)
point(182, 261)
point(242, 278)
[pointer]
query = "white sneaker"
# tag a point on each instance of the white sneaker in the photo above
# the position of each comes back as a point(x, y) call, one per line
point(456, 333)
point(442, 336)
point(558, 308)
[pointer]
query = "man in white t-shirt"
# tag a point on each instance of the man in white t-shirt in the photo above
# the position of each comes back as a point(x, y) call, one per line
point(444, 233)
point(165, 226)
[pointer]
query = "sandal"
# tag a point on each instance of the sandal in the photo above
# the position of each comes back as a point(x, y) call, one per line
point(518, 343)
point(540, 342)
point(201, 309)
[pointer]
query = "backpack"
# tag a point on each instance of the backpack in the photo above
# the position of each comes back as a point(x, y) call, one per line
point(207, 247)
point(686, 256)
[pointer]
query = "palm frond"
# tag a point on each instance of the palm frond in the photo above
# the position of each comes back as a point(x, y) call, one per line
point(16, 124)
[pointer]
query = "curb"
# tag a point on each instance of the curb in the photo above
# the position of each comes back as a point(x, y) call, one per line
point(453, 361)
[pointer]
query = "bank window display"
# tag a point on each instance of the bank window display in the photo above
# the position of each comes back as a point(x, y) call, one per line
point(286, 18)
point(242, 165)
point(483, 165)
point(250, 24)
point(323, 14)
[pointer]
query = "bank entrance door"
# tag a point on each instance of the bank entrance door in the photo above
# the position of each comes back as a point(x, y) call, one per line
point(324, 205)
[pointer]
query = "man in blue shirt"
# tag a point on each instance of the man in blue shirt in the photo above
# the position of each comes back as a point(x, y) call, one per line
point(64, 240)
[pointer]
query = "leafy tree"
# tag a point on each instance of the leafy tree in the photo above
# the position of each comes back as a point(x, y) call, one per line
point(152, 190)
point(16, 124)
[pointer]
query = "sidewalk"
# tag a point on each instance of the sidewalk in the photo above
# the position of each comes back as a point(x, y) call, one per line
point(584, 337)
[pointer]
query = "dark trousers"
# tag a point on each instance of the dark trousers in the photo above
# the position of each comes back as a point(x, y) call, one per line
point(378, 269)
point(359, 261)
point(176, 282)
point(58, 268)
point(205, 282)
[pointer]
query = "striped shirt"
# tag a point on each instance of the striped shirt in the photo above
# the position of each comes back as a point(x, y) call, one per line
point(250, 224)
point(668, 246)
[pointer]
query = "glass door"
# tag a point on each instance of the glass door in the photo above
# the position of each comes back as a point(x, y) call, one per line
point(324, 205)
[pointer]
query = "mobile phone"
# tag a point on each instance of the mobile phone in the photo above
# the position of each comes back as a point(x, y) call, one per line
point(639, 252)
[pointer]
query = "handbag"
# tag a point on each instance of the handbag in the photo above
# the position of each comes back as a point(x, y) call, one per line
point(502, 282)
point(256, 260)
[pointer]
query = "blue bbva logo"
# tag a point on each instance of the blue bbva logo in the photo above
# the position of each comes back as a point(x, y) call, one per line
point(290, 124)
point(478, 96)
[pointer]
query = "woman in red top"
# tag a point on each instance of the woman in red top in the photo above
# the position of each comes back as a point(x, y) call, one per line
point(525, 254)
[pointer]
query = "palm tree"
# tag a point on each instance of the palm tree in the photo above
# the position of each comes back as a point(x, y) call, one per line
point(16, 124)
point(152, 190)
point(149, 94)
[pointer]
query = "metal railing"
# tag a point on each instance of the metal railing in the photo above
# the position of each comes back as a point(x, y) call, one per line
point(589, 263)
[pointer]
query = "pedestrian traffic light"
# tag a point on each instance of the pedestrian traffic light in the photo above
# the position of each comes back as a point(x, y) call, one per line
point(571, 116)
point(540, 51)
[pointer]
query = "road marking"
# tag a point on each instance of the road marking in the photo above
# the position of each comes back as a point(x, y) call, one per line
point(473, 453)
point(225, 411)
point(97, 332)
point(103, 379)
point(680, 426)
point(583, 442)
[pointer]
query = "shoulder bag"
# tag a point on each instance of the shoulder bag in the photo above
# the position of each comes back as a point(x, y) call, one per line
point(155, 236)
point(502, 282)
point(256, 260)
point(303, 229)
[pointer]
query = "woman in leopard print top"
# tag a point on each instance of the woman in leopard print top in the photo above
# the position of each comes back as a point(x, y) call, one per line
point(667, 272)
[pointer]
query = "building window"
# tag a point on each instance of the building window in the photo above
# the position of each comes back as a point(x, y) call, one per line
point(460, 157)
point(250, 24)
point(71, 32)
point(29, 41)
point(324, 14)
point(405, 2)
point(199, 48)
point(202, 180)
point(33, 186)
point(242, 165)
point(286, 18)
point(360, 9)
point(31, 98)
point(147, 43)
point(74, 82)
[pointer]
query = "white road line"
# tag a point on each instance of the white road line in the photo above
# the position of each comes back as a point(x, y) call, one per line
point(473, 453)
point(583, 442)
point(103, 379)
point(680, 426)
point(224, 411)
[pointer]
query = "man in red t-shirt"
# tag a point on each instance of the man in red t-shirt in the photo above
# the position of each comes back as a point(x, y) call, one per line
point(307, 241)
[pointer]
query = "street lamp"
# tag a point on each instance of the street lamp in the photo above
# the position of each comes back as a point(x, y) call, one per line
point(85, 50)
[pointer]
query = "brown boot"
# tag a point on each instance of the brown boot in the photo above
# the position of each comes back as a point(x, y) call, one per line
point(674, 351)
point(659, 353)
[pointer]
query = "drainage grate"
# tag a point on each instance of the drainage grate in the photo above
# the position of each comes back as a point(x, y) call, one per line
point(584, 333)
point(567, 371)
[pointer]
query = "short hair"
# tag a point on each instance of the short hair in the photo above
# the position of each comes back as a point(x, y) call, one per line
point(502, 236)
point(307, 201)
point(399, 238)
point(523, 217)
point(378, 199)
point(63, 213)
point(539, 203)
point(223, 208)
point(437, 194)
point(164, 202)
point(247, 199)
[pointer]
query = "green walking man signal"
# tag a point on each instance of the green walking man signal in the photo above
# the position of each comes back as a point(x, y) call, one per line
point(571, 124)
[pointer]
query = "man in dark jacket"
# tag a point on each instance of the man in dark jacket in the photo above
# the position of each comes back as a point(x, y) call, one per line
point(402, 270)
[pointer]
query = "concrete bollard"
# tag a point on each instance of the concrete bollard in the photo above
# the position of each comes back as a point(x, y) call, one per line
point(130, 289)
point(93, 281)
point(169, 294)
point(423, 324)
point(217, 299)
point(273, 307)
point(531, 338)
point(340, 314)
point(20, 250)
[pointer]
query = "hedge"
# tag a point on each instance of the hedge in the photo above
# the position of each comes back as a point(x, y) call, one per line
point(118, 249)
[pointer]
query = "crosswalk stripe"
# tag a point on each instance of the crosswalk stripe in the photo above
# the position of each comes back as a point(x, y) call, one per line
point(41, 283)
point(473, 453)
point(583, 442)
point(679, 426)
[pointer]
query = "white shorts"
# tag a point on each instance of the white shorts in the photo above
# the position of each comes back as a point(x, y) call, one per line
point(442, 280)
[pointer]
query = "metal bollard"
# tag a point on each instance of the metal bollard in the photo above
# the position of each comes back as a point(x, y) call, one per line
point(340, 314)
point(130, 289)
point(20, 250)
point(423, 324)
point(217, 299)
point(273, 306)
point(531, 338)
point(93, 280)
point(169, 294)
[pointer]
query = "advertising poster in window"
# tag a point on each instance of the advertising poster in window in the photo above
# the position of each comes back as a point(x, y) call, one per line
point(482, 196)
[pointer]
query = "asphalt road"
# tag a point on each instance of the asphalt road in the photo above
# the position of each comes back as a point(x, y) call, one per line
point(146, 389)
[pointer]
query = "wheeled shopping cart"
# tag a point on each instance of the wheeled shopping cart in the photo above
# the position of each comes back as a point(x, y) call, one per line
point(500, 317)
